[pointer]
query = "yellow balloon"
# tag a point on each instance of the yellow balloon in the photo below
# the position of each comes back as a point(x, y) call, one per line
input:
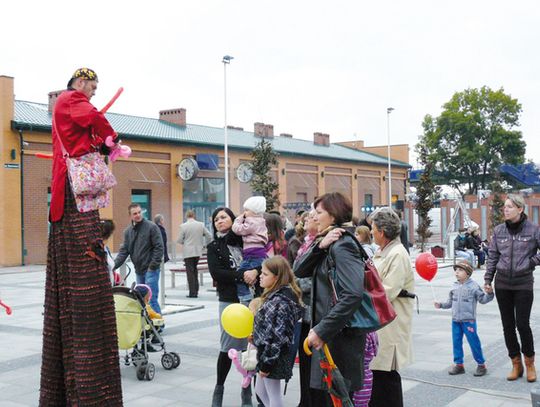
point(237, 320)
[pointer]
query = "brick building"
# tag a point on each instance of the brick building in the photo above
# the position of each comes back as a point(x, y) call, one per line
point(306, 169)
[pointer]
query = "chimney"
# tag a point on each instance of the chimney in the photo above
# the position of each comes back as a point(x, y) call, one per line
point(286, 135)
point(259, 129)
point(52, 99)
point(269, 130)
point(321, 139)
point(174, 116)
point(263, 130)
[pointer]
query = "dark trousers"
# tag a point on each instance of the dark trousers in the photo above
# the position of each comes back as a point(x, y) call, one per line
point(515, 308)
point(192, 275)
point(304, 368)
point(387, 391)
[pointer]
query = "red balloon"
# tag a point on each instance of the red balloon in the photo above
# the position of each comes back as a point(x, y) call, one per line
point(426, 266)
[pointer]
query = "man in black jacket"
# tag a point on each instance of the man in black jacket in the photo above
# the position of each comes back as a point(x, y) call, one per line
point(143, 242)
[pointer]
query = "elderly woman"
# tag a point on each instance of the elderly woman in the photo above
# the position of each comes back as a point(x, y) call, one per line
point(224, 256)
point(513, 256)
point(335, 264)
point(395, 340)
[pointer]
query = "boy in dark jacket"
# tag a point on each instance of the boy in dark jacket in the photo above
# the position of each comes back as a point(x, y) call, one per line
point(462, 299)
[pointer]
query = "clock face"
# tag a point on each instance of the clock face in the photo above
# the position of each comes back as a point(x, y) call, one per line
point(188, 169)
point(244, 172)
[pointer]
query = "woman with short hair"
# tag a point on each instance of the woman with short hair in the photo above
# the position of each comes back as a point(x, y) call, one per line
point(395, 339)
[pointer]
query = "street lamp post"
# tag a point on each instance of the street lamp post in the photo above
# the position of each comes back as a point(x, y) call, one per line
point(226, 61)
point(388, 111)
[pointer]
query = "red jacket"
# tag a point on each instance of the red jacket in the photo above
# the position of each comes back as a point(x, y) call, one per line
point(82, 129)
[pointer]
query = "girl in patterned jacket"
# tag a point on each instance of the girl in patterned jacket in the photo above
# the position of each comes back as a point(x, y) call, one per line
point(273, 333)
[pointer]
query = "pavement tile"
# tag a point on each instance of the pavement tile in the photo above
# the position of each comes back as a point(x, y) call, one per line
point(194, 334)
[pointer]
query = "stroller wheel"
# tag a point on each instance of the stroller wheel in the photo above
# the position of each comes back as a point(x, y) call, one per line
point(176, 359)
point(141, 370)
point(150, 371)
point(167, 361)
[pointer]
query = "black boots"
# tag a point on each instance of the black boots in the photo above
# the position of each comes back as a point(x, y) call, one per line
point(246, 397)
point(217, 398)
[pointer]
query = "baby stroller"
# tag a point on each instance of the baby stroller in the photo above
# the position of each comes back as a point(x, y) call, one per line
point(136, 330)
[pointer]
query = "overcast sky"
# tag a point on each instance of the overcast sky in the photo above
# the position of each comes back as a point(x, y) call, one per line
point(303, 66)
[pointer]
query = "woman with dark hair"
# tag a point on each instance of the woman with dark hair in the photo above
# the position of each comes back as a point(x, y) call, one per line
point(335, 263)
point(395, 340)
point(513, 256)
point(276, 237)
point(224, 256)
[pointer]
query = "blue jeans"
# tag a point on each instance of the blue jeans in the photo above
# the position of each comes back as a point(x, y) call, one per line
point(151, 279)
point(469, 329)
point(242, 289)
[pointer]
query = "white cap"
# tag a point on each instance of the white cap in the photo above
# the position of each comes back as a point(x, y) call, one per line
point(256, 204)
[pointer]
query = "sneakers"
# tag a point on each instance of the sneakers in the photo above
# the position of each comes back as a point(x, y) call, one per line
point(480, 370)
point(456, 369)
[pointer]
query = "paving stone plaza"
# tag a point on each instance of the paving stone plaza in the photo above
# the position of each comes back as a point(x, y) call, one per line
point(194, 334)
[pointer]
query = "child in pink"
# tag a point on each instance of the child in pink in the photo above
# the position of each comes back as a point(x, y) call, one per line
point(252, 227)
point(361, 397)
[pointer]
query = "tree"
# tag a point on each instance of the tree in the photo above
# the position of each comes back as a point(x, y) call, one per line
point(497, 204)
point(426, 193)
point(473, 136)
point(264, 159)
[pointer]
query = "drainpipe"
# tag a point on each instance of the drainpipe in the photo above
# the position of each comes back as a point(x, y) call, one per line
point(21, 145)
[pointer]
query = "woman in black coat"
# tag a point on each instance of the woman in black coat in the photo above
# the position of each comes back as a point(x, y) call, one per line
point(334, 259)
point(224, 256)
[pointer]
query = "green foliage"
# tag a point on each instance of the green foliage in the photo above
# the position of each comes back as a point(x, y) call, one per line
point(473, 136)
point(497, 203)
point(426, 193)
point(264, 159)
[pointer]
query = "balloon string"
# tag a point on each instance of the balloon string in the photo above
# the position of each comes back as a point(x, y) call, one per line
point(432, 292)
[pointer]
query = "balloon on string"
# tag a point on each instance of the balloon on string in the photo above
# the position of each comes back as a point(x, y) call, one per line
point(426, 266)
point(237, 320)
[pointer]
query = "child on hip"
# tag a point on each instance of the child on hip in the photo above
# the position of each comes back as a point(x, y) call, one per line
point(252, 227)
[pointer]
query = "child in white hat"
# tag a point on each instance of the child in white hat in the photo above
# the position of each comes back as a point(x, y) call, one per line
point(252, 227)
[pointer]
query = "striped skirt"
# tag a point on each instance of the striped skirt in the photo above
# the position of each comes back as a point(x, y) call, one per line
point(80, 365)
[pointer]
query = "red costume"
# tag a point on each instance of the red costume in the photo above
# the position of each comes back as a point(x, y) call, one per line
point(75, 119)
point(80, 362)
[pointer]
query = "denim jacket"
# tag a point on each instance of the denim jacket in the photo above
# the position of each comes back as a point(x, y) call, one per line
point(463, 298)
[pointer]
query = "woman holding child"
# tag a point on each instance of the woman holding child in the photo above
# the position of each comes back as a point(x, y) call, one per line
point(224, 258)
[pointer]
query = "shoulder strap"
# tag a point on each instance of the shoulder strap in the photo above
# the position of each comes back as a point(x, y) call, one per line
point(64, 151)
point(359, 245)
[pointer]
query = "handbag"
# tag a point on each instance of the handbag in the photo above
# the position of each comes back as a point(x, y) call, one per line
point(90, 179)
point(375, 311)
point(249, 357)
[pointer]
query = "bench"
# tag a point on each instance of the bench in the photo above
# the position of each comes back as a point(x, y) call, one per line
point(202, 269)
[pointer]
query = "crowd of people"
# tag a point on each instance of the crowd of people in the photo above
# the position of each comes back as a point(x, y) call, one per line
point(304, 283)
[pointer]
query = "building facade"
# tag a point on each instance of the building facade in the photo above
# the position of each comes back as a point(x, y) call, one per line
point(306, 169)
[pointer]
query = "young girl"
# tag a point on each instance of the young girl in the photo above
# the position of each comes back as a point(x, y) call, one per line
point(273, 333)
point(252, 227)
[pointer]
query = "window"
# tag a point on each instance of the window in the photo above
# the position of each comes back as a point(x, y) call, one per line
point(142, 197)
